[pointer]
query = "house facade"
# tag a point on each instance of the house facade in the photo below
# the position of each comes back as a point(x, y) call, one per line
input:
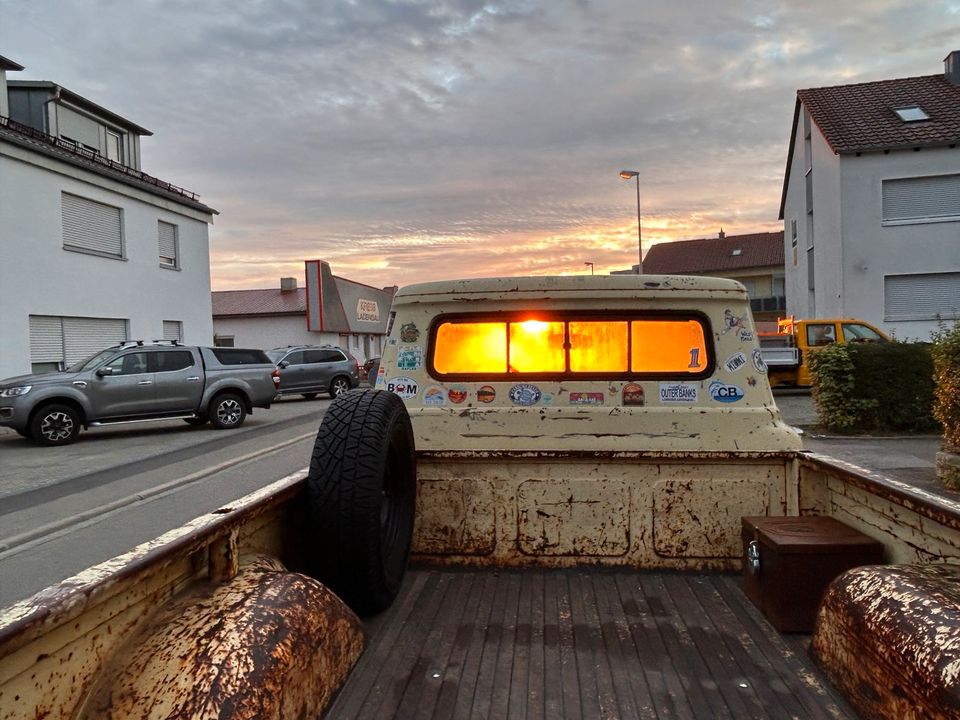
point(871, 203)
point(329, 310)
point(756, 260)
point(94, 251)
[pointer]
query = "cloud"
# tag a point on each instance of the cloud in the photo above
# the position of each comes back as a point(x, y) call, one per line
point(406, 141)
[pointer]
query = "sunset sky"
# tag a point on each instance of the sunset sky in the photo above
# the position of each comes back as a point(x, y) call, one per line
point(408, 141)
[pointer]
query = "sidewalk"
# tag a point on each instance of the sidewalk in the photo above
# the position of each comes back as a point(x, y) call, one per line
point(908, 458)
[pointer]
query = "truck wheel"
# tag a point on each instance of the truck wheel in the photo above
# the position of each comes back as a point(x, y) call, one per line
point(362, 495)
point(227, 411)
point(55, 425)
point(338, 386)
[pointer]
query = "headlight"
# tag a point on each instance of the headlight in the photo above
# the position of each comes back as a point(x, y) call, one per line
point(15, 391)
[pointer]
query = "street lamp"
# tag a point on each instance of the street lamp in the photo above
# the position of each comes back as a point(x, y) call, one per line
point(591, 266)
point(626, 175)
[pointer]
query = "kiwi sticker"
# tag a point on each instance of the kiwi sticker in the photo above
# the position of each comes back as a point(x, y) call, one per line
point(486, 394)
point(403, 386)
point(735, 362)
point(409, 333)
point(434, 396)
point(410, 358)
point(633, 394)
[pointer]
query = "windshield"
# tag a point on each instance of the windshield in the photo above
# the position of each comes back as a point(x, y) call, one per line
point(855, 332)
point(92, 361)
point(276, 355)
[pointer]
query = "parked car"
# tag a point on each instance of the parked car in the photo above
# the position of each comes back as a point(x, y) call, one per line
point(134, 382)
point(311, 369)
point(370, 369)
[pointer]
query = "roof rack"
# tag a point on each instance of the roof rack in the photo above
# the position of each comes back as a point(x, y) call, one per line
point(131, 343)
point(164, 341)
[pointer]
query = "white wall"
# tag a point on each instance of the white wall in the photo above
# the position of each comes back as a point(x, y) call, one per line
point(271, 332)
point(873, 251)
point(39, 277)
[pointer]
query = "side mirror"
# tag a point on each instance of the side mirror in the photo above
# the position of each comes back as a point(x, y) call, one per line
point(283, 364)
point(104, 371)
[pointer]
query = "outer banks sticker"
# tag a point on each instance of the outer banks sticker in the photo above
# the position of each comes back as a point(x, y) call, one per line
point(725, 392)
point(679, 393)
point(758, 362)
point(586, 398)
point(410, 358)
point(633, 394)
point(735, 362)
point(524, 394)
point(457, 394)
point(403, 386)
point(409, 333)
point(434, 396)
point(486, 394)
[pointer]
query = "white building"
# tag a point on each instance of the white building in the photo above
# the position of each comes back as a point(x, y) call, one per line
point(94, 250)
point(871, 203)
point(329, 310)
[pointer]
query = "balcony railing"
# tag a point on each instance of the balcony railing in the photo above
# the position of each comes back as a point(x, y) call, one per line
point(94, 156)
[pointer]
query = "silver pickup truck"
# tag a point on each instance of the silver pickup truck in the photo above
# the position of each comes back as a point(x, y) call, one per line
point(135, 382)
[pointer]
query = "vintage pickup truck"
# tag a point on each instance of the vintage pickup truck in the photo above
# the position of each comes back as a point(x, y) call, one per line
point(542, 512)
point(140, 382)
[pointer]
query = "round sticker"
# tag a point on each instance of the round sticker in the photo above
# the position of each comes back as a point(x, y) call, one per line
point(524, 394)
point(486, 394)
point(403, 386)
point(434, 396)
point(457, 394)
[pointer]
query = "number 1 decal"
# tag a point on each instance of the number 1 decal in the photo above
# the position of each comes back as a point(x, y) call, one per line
point(694, 358)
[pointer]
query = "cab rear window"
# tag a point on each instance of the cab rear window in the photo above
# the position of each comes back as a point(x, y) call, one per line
point(571, 346)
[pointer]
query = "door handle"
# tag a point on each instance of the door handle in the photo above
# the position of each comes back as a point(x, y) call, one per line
point(193, 379)
point(80, 383)
point(145, 382)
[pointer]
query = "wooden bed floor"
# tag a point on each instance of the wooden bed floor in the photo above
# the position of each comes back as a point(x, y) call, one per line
point(580, 643)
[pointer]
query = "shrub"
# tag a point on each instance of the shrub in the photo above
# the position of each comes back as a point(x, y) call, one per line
point(946, 406)
point(874, 387)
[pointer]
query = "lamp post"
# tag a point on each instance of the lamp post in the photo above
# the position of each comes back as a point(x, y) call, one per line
point(591, 266)
point(626, 175)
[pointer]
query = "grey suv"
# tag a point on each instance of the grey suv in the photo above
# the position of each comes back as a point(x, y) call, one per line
point(310, 369)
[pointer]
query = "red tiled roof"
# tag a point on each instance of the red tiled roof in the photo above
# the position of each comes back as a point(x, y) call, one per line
point(709, 255)
point(861, 117)
point(259, 302)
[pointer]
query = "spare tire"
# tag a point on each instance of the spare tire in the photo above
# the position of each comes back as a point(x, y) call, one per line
point(362, 489)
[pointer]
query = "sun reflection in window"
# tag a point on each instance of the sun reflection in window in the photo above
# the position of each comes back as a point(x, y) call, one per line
point(536, 346)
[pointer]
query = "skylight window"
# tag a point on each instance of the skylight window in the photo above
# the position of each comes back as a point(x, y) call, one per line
point(913, 113)
point(736, 251)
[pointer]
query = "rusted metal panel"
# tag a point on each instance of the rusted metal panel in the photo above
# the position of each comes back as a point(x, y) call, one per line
point(889, 638)
point(579, 518)
point(700, 518)
point(269, 644)
point(455, 516)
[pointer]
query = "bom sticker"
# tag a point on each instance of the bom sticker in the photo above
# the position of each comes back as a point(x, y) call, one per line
point(633, 394)
point(403, 386)
point(486, 394)
point(524, 394)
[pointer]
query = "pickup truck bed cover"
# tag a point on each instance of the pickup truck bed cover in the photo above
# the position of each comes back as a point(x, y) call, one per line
point(580, 643)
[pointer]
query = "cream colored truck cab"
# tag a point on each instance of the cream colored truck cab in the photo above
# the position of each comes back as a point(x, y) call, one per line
point(559, 419)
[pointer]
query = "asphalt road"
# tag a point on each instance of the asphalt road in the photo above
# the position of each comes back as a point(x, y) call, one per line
point(65, 509)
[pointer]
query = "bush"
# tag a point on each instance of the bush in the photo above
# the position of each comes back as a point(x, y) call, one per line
point(946, 405)
point(874, 387)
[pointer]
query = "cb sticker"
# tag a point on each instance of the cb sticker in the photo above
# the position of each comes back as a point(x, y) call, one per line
point(725, 392)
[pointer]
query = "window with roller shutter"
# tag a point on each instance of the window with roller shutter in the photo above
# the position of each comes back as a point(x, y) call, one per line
point(921, 199)
point(922, 296)
point(167, 240)
point(91, 226)
point(58, 342)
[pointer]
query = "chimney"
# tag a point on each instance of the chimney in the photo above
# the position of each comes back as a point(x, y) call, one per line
point(951, 67)
point(288, 284)
point(722, 234)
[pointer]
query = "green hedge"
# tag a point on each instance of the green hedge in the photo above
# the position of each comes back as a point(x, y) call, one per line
point(875, 387)
point(946, 406)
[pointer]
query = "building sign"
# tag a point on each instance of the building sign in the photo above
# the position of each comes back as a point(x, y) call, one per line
point(368, 310)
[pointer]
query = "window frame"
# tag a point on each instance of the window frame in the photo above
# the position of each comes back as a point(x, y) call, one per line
point(175, 265)
point(566, 316)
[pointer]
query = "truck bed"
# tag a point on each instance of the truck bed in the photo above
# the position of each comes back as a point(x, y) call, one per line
point(580, 643)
